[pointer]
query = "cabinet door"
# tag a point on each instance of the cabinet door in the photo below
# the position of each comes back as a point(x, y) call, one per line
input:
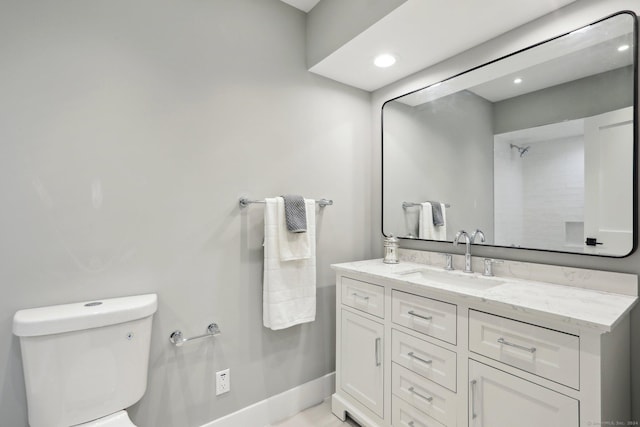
point(361, 355)
point(498, 399)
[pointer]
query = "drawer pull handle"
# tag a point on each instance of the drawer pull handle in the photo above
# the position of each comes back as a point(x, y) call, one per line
point(427, 398)
point(378, 342)
point(521, 347)
point(410, 424)
point(366, 298)
point(413, 313)
point(473, 400)
point(413, 356)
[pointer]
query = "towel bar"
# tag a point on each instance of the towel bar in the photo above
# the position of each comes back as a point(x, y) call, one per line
point(406, 205)
point(179, 340)
point(244, 202)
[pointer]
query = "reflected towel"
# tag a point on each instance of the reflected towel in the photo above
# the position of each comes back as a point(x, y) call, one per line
point(289, 288)
point(426, 229)
point(436, 211)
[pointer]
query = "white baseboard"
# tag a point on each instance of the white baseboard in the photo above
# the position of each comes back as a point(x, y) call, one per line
point(280, 406)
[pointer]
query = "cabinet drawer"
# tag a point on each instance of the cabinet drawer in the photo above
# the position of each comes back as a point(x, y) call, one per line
point(405, 415)
point(550, 354)
point(425, 315)
point(432, 399)
point(430, 361)
point(363, 296)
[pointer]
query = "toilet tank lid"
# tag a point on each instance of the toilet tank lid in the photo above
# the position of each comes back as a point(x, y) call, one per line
point(83, 315)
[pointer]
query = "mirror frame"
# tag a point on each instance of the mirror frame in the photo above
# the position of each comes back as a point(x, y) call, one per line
point(636, 88)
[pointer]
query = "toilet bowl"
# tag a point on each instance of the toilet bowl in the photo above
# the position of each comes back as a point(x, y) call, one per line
point(119, 419)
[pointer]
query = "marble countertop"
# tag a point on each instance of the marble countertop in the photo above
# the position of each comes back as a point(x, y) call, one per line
point(583, 308)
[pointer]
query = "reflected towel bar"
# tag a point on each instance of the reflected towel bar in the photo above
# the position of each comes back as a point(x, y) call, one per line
point(244, 202)
point(406, 205)
point(179, 340)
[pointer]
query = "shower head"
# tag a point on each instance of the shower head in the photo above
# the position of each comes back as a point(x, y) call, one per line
point(521, 150)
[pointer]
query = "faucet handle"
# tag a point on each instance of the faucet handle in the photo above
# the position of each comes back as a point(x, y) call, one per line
point(448, 259)
point(488, 266)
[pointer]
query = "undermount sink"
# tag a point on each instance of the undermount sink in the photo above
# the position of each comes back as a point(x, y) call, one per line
point(465, 280)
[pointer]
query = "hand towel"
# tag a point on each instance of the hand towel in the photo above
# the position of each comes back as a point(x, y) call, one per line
point(293, 246)
point(436, 211)
point(295, 213)
point(427, 230)
point(289, 288)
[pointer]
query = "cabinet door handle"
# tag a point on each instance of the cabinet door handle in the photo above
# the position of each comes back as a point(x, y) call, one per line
point(521, 347)
point(413, 356)
point(413, 313)
point(356, 295)
point(378, 342)
point(473, 400)
point(427, 398)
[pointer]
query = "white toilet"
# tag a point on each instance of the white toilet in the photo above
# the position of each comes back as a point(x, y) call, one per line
point(85, 363)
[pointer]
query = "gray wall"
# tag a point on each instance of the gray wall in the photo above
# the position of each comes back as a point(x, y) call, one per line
point(437, 150)
point(566, 19)
point(585, 97)
point(129, 130)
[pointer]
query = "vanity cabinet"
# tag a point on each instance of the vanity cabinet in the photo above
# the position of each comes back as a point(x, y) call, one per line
point(414, 355)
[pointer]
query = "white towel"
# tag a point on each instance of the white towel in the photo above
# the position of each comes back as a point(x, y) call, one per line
point(289, 289)
point(426, 228)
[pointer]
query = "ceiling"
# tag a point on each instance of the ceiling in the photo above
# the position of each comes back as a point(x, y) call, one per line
point(421, 33)
point(303, 5)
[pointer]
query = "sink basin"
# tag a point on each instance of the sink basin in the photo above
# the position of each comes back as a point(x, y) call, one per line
point(447, 278)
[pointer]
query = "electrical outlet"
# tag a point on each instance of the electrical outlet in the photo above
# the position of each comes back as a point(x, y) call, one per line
point(223, 382)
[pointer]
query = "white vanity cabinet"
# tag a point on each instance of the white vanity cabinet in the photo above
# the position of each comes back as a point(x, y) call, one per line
point(418, 355)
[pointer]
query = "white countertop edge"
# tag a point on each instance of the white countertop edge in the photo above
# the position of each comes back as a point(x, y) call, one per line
point(577, 320)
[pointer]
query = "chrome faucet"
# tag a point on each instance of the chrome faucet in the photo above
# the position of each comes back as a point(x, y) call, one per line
point(467, 256)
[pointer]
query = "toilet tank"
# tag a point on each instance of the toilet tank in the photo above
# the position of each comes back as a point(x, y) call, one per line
point(86, 360)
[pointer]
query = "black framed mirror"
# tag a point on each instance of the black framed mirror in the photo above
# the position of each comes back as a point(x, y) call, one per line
point(537, 149)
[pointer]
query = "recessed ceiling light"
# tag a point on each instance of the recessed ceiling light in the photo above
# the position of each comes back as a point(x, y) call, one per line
point(385, 60)
point(517, 81)
point(623, 48)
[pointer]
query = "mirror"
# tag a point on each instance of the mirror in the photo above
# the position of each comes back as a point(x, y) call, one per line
point(536, 149)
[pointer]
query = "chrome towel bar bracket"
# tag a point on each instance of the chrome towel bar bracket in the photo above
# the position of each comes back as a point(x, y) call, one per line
point(176, 338)
point(244, 202)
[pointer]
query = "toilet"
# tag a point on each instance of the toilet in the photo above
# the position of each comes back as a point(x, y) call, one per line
point(85, 363)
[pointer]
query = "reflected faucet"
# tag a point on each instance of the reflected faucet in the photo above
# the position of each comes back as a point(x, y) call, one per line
point(477, 233)
point(467, 256)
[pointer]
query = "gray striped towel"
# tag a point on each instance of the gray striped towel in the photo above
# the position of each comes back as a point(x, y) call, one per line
point(295, 213)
